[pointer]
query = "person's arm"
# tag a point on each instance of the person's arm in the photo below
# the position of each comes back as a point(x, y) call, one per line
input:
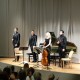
point(35, 40)
point(58, 41)
point(13, 37)
point(48, 44)
point(29, 42)
point(64, 43)
point(18, 38)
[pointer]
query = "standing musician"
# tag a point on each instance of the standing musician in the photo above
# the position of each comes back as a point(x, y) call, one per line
point(32, 43)
point(16, 40)
point(62, 41)
point(47, 45)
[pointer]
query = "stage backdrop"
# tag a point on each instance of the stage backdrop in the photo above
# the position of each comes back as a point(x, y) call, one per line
point(41, 16)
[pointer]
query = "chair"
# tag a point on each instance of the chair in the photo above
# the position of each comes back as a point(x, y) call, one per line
point(18, 52)
point(55, 57)
point(29, 56)
point(68, 59)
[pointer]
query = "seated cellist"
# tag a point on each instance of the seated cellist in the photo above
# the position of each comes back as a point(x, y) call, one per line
point(47, 45)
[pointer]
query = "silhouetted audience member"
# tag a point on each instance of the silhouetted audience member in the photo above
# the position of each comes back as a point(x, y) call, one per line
point(4, 76)
point(25, 68)
point(30, 74)
point(51, 77)
point(7, 71)
point(12, 68)
point(37, 76)
point(22, 75)
point(26, 65)
point(14, 76)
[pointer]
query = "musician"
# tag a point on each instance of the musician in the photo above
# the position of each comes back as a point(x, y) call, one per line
point(32, 43)
point(16, 40)
point(47, 45)
point(62, 41)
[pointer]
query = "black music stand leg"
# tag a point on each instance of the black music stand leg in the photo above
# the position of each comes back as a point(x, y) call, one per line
point(23, 62)
point(23, 49)
point(37, 65)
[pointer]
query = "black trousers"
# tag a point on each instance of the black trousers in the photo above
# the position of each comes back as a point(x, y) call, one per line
point(34, 54)
point(62, 54)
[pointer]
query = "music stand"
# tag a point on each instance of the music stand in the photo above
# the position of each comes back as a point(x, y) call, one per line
point(38, 52)
point(23, 49)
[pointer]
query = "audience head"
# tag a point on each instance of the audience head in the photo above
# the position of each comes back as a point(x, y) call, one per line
point(7, 70)
point(26, 66)
point(31, 71)
point(51, 77)
point(12, 68)
point(14, 76)
point(37, 76)
point(22, 75)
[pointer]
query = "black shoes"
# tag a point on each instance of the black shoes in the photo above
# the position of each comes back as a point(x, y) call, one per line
point(34, 61)
point(14, 60)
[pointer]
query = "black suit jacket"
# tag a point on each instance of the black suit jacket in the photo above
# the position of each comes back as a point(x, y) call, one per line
point(16, 39)
point(63, 42)
point(32, 40)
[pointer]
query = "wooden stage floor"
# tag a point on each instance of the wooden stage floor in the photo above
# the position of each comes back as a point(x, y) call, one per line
point(74, 70)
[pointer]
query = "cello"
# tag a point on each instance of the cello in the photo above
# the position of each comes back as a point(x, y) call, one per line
point(44, 60)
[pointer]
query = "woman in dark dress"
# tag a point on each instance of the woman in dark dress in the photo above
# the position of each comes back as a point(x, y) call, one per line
point(47, 45)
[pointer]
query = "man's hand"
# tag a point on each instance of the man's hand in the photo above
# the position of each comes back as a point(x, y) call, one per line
point(63, 50)
point(58, 42)
point(15, 44)
point(34, 47)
